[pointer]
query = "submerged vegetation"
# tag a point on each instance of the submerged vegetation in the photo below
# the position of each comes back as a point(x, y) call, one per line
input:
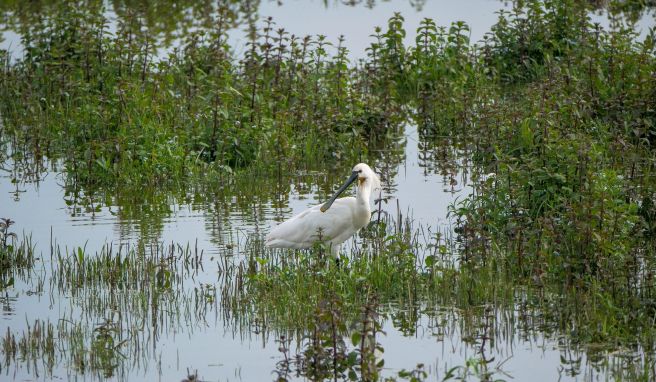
point(558, 239)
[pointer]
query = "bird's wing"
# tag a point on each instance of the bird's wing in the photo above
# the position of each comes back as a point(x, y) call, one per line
point(312, 225)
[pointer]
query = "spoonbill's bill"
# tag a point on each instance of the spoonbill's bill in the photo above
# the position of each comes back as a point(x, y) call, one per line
point(332, 222)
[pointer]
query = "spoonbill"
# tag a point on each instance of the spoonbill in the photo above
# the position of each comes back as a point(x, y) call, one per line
point(332, 222)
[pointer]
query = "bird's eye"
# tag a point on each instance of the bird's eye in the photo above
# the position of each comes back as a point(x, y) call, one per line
point(360, 171)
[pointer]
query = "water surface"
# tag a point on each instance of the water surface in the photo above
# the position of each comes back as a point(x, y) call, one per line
point(422, 179)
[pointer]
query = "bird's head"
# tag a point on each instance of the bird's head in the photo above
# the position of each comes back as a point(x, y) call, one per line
point(366, 178)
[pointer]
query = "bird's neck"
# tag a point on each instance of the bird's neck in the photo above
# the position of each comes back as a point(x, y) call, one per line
point(363, 194)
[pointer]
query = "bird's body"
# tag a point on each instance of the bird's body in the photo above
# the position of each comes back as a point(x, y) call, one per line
point(334, 226)
point(333, 222)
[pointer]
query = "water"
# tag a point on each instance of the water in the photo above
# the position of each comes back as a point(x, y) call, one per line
point(358, 22)
point(355, 20)
point(222, 347)
point(39, 209)
point(214, 347)
point(334, 18)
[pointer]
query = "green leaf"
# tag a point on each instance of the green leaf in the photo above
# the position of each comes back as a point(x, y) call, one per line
point(430, 261)
point(356, 338)
point(80, 255)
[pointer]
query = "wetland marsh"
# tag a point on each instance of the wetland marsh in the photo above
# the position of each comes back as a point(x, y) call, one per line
point(145, 151)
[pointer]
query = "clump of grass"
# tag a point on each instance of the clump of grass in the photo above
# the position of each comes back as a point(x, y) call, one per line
point(547, 110)
point(140, 268)
point(16, 257)
point(333, 312)
point(36, 347)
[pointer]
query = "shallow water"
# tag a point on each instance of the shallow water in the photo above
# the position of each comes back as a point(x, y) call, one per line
point(214, 347)
point(354, 20)
point(39, 209)
point(222, 348)
point(178, 338)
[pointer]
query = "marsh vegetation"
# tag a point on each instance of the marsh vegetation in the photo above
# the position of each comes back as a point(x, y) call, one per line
point(548, 125)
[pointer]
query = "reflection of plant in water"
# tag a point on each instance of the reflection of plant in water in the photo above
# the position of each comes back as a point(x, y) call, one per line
point(5, 223)
point(37, 346)
point(326, 353)
point(105, 350)
point(157, 18)
point(131, 131)
point(328, 310)
point(16, 257)
point(415, 375)
point(141, 290)
point(483, 302)
point(474, 369)
point(199, 111)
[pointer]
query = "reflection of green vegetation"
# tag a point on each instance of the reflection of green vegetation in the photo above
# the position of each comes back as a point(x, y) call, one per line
point(561, 113)
point(476, 302)
point(566, 202)
point(558, 240)
point(118, 122)
point(122, 300)
point(633, 10)
point(133, 298)
point(162, 20)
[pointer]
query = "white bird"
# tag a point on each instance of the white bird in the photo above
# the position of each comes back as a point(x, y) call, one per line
point(332, 222)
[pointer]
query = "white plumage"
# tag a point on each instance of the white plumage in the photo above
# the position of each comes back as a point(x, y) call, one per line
point(332, 222)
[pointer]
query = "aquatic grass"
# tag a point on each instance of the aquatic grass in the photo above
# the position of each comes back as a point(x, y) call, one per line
point(283, 289)
point(36, 347)
point(545, 105)
point(122, 300)
point(17, 258)
point(148, 281)
point(201, 113)
point(330, 310)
